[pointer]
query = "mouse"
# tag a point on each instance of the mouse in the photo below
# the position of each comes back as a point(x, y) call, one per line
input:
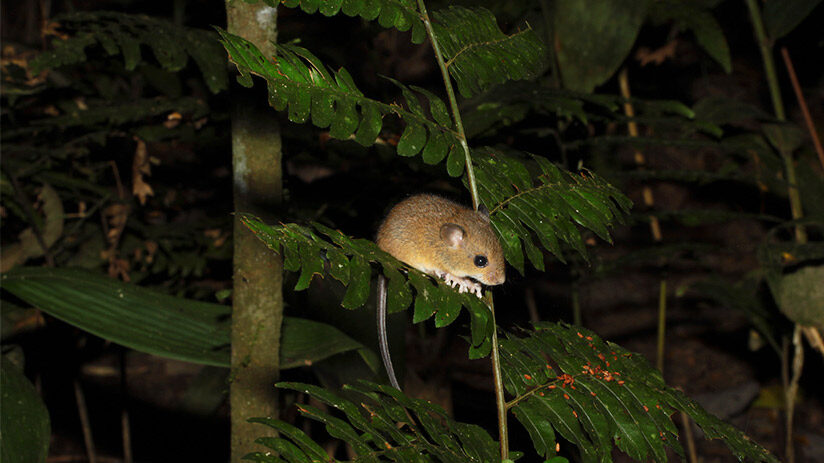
point(441, 238)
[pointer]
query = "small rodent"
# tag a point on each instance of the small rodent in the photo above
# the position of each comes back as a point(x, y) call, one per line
point(441, 238)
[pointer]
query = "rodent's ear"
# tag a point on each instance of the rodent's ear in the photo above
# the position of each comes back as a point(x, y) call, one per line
point(453, 235)
point(484, 212)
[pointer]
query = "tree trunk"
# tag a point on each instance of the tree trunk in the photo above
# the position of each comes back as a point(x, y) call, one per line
point(257, 308)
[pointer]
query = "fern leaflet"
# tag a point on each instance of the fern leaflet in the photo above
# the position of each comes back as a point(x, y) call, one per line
point(480, 55)
point(594, 393)
point(300, 83)
point(120, 33)
point(546, 200)
point(319, 250)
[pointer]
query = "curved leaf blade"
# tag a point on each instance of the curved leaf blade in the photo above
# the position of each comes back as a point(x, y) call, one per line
point(25, 420)
point(159, 324)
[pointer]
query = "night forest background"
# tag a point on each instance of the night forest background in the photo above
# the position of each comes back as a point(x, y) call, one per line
point(116, 172)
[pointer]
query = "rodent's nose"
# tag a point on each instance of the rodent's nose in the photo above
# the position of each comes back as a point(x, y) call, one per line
point(497, 278)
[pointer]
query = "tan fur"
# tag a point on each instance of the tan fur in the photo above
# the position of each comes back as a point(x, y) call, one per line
point(411, 233)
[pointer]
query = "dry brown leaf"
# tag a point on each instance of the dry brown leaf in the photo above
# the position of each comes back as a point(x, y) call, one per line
point(645, 56)
point(141, 166)
point(51, 29)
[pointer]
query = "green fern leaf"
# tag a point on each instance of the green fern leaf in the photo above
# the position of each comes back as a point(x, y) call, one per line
point(478, 54)
point(400, 14)
point(120, 33)
point(550, 202)
point(384, 425)
point(595, 393)
point(514, 101)
point(319, 250)
point(300, 83)
point(123, 113)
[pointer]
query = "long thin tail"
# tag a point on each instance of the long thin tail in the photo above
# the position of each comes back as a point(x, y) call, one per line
point(383, 340)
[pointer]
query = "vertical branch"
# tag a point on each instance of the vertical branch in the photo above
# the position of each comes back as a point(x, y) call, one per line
point(85, 424)
point(790, 384)
point(257, 306)
point(792, 391)
point(503, 432)
point(662, 324)
point(765, 45)
point(473, 189)
point(808, 120)
point(125, 428)
point(453, 103)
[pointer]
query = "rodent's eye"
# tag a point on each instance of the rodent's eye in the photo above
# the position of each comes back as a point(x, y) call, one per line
point(481, 261)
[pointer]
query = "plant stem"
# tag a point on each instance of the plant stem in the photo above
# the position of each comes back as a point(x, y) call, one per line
point(792, 391)
point(791, 387)
point(803, 105)
point(473, 189)
point(576, 305)
point(257, 299)
point(503, 433)
point(453, 103)
point(765, 45)
point(662, 324)
point(85, 424)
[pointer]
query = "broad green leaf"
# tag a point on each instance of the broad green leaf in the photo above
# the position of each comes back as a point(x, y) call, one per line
point(781, 17)
point(786, 138)
point(721, 110)
point(593, 37)
point(478, 54)
point(25, 421)
point(794, 274)
point(152, 322)
point(744, 297)
point(800, 296)
point(690, 15)
point(121, 33)
point(565, 379)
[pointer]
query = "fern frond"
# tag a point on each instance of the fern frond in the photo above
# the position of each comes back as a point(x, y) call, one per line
point(319, 250)
point(744, 297)
point(515, 101)
point(480, 55)
point(384, 425)
point(546, 200)
point(126, 112)
point(120, 33)
point(400, 14)
point(300, 83)
point(595, 393)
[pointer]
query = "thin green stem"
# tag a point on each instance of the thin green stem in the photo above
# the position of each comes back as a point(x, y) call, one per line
point(576, 305)
point(453, 103)
point(503, 433)
point(662, 324)
point(792, 391)
point(765, 45)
